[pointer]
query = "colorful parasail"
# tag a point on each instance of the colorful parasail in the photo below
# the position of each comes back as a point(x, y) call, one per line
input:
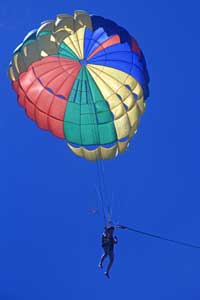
point(84, 79)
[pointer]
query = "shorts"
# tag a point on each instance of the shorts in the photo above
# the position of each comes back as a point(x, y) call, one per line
point(108, 249)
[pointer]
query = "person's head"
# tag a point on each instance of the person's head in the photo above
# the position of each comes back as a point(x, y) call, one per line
point(110, 229)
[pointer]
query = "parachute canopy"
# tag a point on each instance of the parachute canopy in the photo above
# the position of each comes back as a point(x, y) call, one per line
point(84, 79)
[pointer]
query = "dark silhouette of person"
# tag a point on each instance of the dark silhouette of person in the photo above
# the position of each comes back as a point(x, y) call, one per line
point(108, 241)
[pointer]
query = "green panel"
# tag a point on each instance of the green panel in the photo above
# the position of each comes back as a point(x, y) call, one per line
point(89, 135)
point(72, 133)
point(88, 119)
point(107, 133)
point(78, 93)
point(101, 106)
point(87, 109)
point(66, 52)
point(88, 114)
point(44, 33)
point(105, 117)
point(95, 92)
point(74, 91)
point(73, 113)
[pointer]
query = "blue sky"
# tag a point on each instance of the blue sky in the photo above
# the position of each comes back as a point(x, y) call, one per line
point(49, 245)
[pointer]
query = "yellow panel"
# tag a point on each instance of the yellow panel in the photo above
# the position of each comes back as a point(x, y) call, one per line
point(11, 74)
point(107, 153)
point(72, 42)
point(80, 38)
point(118, 111)
point(122, 146)
point(110, 78)
point(101, 152)
point(138, 90)
point(133, 115)
point(123, 91)
point(133, 130)
point(113, 101)
point(105, 86)
point(93, 155)
point(96, 72)
point(132, 82)
point(129, 101)
point(105, 89)
point(77, 151)
point(122, 127)
point(118, 75)
point(110, 86)
point(15, 59)
point(141, 105)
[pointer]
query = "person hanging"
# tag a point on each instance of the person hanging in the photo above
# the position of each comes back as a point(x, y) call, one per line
point(108, 242)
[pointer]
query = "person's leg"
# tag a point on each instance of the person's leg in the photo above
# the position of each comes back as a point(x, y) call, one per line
point(111, 259)
point(102, 259)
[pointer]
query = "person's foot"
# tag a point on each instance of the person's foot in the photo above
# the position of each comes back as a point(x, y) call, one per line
point(100, 265)
point(107, 274)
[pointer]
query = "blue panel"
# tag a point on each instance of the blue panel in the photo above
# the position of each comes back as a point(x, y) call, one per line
point(113, 56)
point(120, 65)
point(111, 28)
point(114, 52)
point(93, 147)
point(87, 40)
point(98, 37)
point(124, 139)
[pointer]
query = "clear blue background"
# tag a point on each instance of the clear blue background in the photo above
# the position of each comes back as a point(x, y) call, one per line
point(49, 245)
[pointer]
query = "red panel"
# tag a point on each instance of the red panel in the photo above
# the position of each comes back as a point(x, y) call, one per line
point(65, 89)
point(135, 47)
point(15, 85)
point(41, 119)
point(44, 101)
point(43, 105)
point(30, 109)
point(58, 81)
point(46, 60)
point(110, 42)
point(45, 68)
point(21, 97)
point(49, 75)
point(26, 79)
point(56, 127)
point(67, 67)
point(50, 63)
point(58, 108)
point(34, 91)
